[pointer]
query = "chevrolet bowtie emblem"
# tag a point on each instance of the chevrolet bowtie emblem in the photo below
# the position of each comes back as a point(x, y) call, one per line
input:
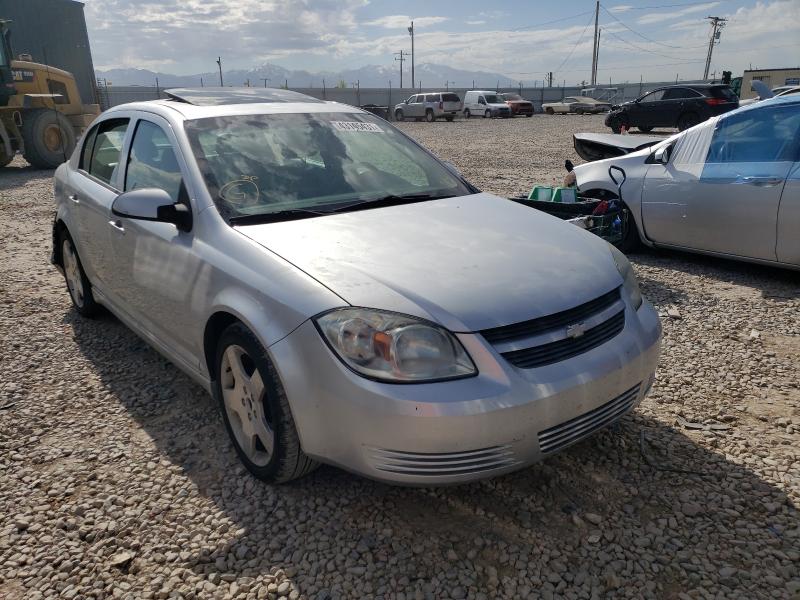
point(576, 330)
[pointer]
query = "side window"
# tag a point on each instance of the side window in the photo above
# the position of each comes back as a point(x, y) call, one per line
point(88, 146)
point(57, 87)
point(761, 142)
point(107, 149)
point(432, 98)
point(152, 162)
point(653, 96)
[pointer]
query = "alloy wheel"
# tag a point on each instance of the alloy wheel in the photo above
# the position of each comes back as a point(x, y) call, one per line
point(243, 395)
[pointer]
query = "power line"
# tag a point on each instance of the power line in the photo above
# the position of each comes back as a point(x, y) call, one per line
point(580, 39)
point(551, 22)
point(632, 45)
point(644, 37)
point(629, 8)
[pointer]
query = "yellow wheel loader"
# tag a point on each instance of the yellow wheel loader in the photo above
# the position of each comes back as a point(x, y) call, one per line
point(41, 113)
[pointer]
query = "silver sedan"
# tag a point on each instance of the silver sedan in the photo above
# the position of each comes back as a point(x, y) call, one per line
point(345, 296)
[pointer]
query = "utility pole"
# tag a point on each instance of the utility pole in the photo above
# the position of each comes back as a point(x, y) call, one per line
point(265, 80)
point(401, 60)
point(201, 82)
point(219, 64)
point(596, 42)
point(158, 89)
point(411, 32)
point(550, 79)
point(597, 55)
point(717, 23)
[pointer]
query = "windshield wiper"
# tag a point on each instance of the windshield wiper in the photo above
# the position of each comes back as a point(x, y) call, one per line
point(389, 200)
point(274, 217)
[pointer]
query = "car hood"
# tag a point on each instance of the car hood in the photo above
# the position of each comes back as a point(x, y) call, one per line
point(468, 263)
point(597, 146)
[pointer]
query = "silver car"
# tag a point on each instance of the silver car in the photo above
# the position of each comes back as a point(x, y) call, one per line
point(728, 187)
point(429, 106)
point(345, 296)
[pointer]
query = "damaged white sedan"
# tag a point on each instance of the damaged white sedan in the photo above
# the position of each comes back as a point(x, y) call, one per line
point(728, 187)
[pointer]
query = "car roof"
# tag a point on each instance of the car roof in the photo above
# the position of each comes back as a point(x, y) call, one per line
point(198, 103)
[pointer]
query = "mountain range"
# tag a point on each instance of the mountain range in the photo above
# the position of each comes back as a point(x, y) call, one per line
point(431, 75)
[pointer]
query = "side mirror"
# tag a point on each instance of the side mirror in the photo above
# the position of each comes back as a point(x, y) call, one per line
point(662, 155)
point(152, 204)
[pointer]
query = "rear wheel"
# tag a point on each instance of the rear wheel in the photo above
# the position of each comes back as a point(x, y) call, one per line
point(398, 115)
point(78, 286)
point(429, 116)
point(644, 129)
point(687, 120)
point(529, 115)
point(256, 410)
point(467, 114)
point(49, 138)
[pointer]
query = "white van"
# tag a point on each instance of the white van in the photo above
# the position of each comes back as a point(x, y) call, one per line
point(485, 104)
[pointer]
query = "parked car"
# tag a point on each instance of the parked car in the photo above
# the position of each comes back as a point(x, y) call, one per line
point(485, 104)
point(576, 104)
point(680, 106)
point(728, 187)
point(518, 104)
point(429, 106)
point(344, 295)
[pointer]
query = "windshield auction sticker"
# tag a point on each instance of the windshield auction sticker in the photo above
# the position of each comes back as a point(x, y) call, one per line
point(356, 126)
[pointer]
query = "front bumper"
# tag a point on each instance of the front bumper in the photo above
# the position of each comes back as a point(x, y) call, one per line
point(499, 421)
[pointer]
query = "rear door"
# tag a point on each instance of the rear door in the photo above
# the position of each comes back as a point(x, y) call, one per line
point(674, 104)
point(722, 188)
point(95, 187)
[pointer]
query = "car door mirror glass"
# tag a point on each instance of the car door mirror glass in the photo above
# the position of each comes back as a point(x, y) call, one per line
point(152, 204)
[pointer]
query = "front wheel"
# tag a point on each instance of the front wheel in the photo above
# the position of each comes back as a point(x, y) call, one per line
point(467, 114)
point(644, 129)
point(617, 123)
point(429, 116)
point(630, 241)
point(78, 286)
point(487, 114)
point(549, 110)
point(256, 410)
point(398, 115)
point(529, 115)
point(48, 137)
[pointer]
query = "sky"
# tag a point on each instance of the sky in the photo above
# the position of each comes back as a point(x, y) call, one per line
point(653, 39)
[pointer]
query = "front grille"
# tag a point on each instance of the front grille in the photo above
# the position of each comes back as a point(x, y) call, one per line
point(545, 354)
point(569, 432)
point(525, 329)
point(443, 463)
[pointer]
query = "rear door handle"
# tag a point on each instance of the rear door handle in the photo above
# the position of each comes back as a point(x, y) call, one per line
point(74, 198)
point(117, 225)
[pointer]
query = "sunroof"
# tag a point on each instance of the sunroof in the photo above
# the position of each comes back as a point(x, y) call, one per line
point(217, 96)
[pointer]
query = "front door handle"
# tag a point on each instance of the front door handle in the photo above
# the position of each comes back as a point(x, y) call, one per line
point(762, 181)
point(74, 198)
point(117, 225)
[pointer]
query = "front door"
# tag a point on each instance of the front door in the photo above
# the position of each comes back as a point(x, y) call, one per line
point(156, 269)
point(721, 189)
point(415, 106)
point(647, 110)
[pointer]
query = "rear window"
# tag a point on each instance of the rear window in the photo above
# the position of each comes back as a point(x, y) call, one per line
point(450, 98)
point(723, 92)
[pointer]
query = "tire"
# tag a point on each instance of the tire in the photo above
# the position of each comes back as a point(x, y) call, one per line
point(429, 117)
point(49, 138)
point(579, 112)
point(78, 286)
point(644, 129)
point(529, 115)
point(399, 116)
point(467, 114)
point(687, 120)
point(617, 123)
point(549, 110)
point(5, 159)
point(487, 114)
point(449, 119)
point(241, 363)
point(630, 241)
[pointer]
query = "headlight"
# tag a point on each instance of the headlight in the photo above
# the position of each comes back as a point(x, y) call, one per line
point(631, 284)
point(394, 347)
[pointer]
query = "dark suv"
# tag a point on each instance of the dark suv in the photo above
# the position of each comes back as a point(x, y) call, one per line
point(680, 106)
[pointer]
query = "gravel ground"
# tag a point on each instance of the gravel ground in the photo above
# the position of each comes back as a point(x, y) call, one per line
point(117, 479)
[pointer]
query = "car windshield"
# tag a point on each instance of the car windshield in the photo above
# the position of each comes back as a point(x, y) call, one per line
point(494, 99)
point(263, 164)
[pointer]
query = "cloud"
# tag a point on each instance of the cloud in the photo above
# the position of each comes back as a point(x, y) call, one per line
point(652, 18)
point(401, 21)
point(478, 22)
point(620, 8)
